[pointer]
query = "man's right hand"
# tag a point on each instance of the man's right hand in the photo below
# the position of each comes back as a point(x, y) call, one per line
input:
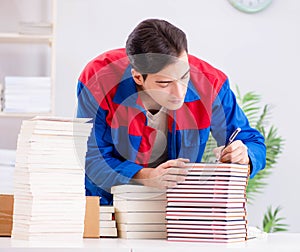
point(166, 175)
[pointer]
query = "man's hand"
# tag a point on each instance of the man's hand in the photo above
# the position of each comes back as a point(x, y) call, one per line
point(166, 175)
point(236, 152)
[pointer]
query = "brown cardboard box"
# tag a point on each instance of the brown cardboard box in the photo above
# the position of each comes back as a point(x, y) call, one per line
point(91, 221)
point(6, 214)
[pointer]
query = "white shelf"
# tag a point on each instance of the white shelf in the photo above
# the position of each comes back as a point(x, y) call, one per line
point(34, 40)
point(25, 115)
point(24, 38)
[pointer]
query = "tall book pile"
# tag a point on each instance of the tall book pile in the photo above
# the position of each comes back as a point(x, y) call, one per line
point(209, 206)
point(27, 94)
point(49, 178)
point(107, 224)
point(140, 212)
point(7, 166)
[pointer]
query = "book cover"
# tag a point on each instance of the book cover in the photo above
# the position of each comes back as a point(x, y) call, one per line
point(141, 218)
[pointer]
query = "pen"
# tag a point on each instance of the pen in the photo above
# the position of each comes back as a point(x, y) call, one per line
point(230, 140)
point(233, 136)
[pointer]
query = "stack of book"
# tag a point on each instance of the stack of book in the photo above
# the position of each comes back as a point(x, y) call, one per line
point(1, 97)
point(107, 223)
point(49, 190)
point(209, 206)
point(7, 165)
point(27, 94)
point(35, 28)
point(140, 212)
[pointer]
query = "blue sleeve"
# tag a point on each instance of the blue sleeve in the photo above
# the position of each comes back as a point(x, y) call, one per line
point(226, 117)
point(104, 167)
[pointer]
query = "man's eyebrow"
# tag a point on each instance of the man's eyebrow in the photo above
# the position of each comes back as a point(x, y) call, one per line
point(169, 81)
point(186, 73)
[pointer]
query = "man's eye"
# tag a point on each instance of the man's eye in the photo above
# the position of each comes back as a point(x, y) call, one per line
point(164, 85)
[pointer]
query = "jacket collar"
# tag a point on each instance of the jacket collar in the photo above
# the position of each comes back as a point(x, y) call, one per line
point(127, 93)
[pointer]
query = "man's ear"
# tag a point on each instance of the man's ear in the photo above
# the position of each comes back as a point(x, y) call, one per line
point(137, 76)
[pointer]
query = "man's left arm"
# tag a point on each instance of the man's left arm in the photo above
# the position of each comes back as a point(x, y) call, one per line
point(226, 117)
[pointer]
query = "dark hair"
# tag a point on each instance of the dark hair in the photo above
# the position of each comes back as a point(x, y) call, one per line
point(154, 44)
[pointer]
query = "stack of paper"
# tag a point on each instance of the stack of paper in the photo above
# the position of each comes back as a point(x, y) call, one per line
point(1, 97)
point(209, 205)
point(140, 212)
point(27, 94)
point(107, 223)
point(49, 177)
point(35, 28)
point(7, 165)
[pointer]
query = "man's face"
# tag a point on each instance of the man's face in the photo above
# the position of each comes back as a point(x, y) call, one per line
point(168, 87)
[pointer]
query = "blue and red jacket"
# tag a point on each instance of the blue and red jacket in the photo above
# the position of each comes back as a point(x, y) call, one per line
point(120, 145)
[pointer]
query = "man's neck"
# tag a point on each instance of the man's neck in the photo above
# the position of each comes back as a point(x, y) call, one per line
point(149, 104)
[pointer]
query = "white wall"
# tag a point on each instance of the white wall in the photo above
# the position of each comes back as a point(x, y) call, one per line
point(259, 52)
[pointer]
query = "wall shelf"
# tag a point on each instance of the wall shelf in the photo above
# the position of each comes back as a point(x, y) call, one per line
point(24, 115)
point(24, 38)
point(27, 43)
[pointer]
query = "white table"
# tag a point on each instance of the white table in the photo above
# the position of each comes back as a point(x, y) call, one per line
point(274, 242)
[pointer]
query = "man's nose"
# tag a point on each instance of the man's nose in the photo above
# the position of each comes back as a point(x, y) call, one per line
point(178, 89)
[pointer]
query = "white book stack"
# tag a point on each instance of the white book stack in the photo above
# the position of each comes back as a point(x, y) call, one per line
point(1, 97)
point(7, 166)
point(27, 94)
point(49, 192)
point(35, 28)
point(107, 223)
point(140, 212)
point(210, 205)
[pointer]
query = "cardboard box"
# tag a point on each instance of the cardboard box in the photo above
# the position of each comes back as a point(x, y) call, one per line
point(6, 214)
point(91, 221)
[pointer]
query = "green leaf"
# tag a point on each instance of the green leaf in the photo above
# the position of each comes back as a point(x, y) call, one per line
point(272, 224)
point(279, 230)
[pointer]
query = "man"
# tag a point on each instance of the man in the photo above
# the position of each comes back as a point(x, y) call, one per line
point(153, 107)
